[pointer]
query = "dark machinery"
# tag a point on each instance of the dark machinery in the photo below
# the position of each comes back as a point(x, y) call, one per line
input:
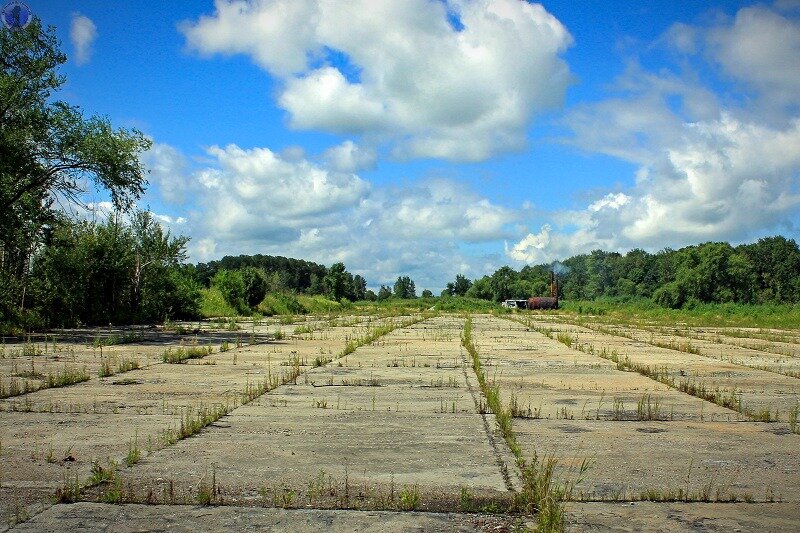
point(550, 302)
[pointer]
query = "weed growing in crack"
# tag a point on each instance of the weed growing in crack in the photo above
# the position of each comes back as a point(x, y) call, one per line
point(648, 408)
point(409, 498)
point(102, 474)
point(618, 409)
point(69, 491)
point(134, 454)
point(541, 494)
point(193, 422)
point(207, 494)
point(183, 354)
point(69, 376)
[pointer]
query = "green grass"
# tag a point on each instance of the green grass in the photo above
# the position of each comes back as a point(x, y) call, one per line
point(409, 498)
point(182, 354)
point(213, 304)
point(192, 422)
point(276, 303)
point(318, 304)
point(720, 315)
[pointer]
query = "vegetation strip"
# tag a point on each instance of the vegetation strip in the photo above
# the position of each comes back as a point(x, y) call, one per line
point(70, 376)
point(691, 386)
point(542, 493)
point(685, 346)
point(479, 406)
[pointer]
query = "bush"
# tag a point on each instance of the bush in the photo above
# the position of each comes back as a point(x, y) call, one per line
point(670, 295)
point(213, 304)
point(255, 285)
point(276, 303)
point(231, 284)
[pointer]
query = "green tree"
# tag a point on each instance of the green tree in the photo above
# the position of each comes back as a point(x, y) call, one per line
point(480, 289)
point(255, 285)
point(776, 265)
point(501, 283)
point(359, 291)
point(49, 146)
point(153, 251)
point(317, 285)
point(404, 288)
point(111, 271)
point(384, 293)
point(427, 293)
point(338, 282)
point(459, 287)
point(231, 285)
point(49, 150)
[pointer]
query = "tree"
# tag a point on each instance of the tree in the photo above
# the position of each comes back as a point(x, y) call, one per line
point(231, 285)
point(427, 293)
point(776, 262)
point(384, 293)
point(359, 291)
point(501, 284)
point(336, 282)
point(49, 150)
point(480, 289)
point(48, 146)
point(112, 271)
point(255, 285)
point(317, 285)
point(459, 287)
point(404, 288)
point(153, 249)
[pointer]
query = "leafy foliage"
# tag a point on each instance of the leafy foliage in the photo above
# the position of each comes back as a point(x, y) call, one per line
point(767, 271)
point(112, 271)
point(404, 288)
point(54, 270)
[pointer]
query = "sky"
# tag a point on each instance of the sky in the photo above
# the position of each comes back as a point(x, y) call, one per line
point(431, 138)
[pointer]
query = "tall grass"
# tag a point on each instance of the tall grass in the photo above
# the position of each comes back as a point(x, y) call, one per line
point(183, 354)
point(70, 375)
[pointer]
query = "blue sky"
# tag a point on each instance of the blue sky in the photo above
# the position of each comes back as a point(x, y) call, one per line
point(430, 138)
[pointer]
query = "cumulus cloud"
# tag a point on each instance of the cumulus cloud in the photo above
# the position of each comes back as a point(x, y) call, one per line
point(762, 49)
point(260, 201)
point(350, 157)
point(439, 209)
point(258, 194)
point(82, 33)
point(167, 171)
point(711, 166)
point(401, 71)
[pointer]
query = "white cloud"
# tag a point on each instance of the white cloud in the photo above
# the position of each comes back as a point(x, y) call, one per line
point(259, 180)
point(762, 49)
point(409, 77)
point(258, 201)
point(531, 247)
point(82, 33)
point(710, 166)
point(436, 209)
point(350, 157)
point(167, 171)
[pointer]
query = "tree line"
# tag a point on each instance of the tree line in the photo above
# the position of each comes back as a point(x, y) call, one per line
point(766, 271)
